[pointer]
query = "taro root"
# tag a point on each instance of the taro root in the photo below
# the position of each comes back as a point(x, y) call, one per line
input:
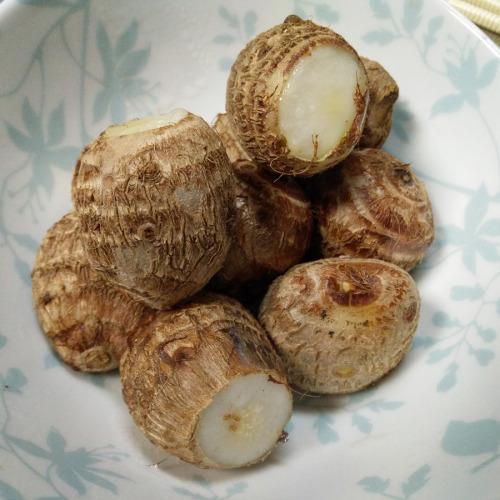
point(233, 148)
point(272, 231)
point(341, 324)
point(296, 98)
point(203, 382)
point(155, 199)
point(384, 92)
point(373, 205)
point(86, 320)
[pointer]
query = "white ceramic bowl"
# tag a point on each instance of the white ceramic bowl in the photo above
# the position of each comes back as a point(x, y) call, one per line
point(431, 430)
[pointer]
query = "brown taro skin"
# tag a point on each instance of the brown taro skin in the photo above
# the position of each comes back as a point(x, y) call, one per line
point(384, 92)
point(256, 82)
point(272, 231)
point(373, 205)
point(182, 358)
point(86, 320)
point(341, 324)
point(233, 148)
point(155, 209)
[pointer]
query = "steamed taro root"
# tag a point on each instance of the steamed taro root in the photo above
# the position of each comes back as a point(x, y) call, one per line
point(272, 231)
point(155, 198)
point(296, 97)
point(204, 383)
point(384, 92)
point(373, 205)
point(341, 324)
point(86, 320)
point(233, 148)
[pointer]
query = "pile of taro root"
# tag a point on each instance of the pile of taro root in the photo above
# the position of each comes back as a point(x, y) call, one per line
point(221, 267)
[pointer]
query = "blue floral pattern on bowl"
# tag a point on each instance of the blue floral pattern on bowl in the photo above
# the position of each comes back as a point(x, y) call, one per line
point(431, 429)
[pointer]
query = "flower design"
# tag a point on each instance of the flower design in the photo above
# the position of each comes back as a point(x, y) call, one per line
point(76, 468)
point(43, 147)
point(355, 407)
point(467, 77)
point(415, 482)
point(207, 490)
point(323, 12)
point(237, 30)
point(478, 237)
point(39, 130)
point(473, 438)
point(54, 464)
point(470, 337)
point(121, 66)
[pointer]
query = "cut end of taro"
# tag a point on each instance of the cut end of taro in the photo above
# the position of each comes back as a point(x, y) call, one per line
point(244, 421)
point(297, 97)
point(146, 124)
point(319, 103)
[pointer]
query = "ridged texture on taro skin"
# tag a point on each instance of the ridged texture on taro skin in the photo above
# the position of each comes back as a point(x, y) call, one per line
point(341, 324)
point(184, 357)
point(156, 209)
point(256, 82)
point(272, 230)
point(233, 148)
point(384, 92)
point(86, 320)
point(373, 205)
